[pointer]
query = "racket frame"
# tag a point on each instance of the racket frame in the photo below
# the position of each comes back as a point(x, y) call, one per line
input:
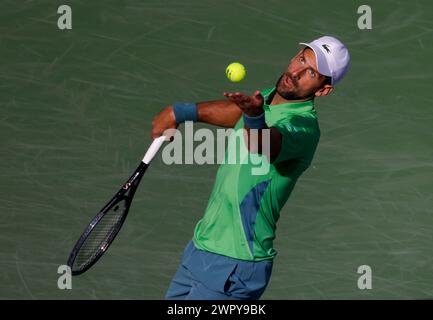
point(130, 186)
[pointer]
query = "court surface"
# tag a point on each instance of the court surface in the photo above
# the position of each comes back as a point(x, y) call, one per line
point(76, 107)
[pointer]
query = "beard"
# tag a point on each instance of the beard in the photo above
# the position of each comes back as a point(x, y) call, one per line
point(284, 91)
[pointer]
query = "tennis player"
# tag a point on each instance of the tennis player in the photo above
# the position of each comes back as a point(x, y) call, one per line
point(231, 253)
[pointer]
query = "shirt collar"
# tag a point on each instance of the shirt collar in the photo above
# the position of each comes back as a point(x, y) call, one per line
point(297, 107)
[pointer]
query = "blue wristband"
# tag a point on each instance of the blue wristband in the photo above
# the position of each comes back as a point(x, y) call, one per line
point(255, 122)
point(185, 112)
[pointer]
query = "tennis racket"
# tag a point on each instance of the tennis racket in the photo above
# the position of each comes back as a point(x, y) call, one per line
point(104, 227)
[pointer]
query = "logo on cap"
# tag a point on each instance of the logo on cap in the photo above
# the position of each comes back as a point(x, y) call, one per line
point(326, 47)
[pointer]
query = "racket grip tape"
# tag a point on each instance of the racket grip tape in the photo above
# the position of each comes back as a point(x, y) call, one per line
point(153, 149)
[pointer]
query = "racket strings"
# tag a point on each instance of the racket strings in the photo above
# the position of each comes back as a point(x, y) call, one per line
point(98, 239)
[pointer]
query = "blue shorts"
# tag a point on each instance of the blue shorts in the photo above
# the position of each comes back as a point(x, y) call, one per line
point(204, 275)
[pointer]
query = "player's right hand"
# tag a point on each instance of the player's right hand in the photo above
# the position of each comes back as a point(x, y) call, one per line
point(163, 121)
point(252, 106)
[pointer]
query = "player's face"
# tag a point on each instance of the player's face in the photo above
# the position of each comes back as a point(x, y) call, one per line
point(301, 79)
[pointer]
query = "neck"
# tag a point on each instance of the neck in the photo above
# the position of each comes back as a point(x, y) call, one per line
point(277, 99)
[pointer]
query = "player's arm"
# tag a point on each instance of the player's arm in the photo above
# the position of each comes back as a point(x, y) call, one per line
point(223, 113)
point(256, 145)
point(254, 118)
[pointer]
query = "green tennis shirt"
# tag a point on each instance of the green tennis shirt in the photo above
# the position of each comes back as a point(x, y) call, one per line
point(243, 209)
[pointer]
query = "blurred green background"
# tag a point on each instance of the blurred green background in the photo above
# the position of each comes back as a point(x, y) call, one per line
point(76, 107)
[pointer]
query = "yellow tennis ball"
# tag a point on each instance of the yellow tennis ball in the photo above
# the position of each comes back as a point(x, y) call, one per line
point(235, 72)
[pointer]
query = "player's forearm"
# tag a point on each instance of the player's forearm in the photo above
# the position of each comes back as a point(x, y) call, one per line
point(223, 113)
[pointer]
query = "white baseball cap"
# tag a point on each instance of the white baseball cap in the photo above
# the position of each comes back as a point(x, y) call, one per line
point(332, 57)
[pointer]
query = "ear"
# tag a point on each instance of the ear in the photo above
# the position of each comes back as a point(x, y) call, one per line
point(324, 91)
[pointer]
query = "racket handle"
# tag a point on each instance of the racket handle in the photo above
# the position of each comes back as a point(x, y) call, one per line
point(153, 149)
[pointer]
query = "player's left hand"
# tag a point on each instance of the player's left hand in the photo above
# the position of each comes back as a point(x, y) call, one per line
point(251, 105)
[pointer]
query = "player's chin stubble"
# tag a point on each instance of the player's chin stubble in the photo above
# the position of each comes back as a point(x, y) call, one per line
point(285, 93)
